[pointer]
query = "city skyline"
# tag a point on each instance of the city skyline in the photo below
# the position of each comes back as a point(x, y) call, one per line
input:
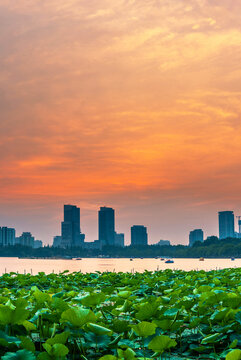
point(71, 234)
point(134, 104)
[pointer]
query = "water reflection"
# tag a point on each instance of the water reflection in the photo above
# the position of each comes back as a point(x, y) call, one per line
point(118, 265)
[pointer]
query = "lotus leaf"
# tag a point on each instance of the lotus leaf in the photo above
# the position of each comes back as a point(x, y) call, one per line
point(234, 355)
point(127, 354)
point(99, 330)
point(78, 316)
point(27, 343)
point(146, 311)
point(91, 300)
point(145, 329)
point(57, 350)
point(161, 343)
point(19, 355)
point(58, 338)
point(210, 339)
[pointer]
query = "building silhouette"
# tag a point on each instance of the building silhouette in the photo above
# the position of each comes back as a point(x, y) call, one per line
point(92, 245)
point(26, 239)
point(164, 243)
point(57, 241)
point(195, 235)
point(226, 224)
point(37, 244)
point(70, 228)
point(120, 239)
point(139, 235)
point(239, 226)
point(106, 218)
point(7, 236)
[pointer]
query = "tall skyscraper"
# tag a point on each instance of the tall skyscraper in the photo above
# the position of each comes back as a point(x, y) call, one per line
point(226, 224)
point(195, 235)
point(139, 235)
point(70, 227)
point(106, 226)
point(7, 236)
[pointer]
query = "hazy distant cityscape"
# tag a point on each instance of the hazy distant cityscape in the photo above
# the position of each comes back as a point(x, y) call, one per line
point(71, 235)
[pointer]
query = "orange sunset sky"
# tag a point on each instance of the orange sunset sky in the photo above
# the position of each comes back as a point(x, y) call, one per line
point(133, 104)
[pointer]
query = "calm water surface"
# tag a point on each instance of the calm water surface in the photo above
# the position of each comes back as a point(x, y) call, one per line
point(124, 265)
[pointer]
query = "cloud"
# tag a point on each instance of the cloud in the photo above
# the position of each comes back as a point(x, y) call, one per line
point(134, 101)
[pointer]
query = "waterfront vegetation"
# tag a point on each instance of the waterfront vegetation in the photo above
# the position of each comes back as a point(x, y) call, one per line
point(211, 248)
point(109, 316)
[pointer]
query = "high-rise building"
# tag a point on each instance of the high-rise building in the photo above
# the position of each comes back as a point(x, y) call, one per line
point(195, 235)
point(106, 226)
point(120, 240)
point(7, 236)
point(70, 228)
point(226, 224)
point(139, 235)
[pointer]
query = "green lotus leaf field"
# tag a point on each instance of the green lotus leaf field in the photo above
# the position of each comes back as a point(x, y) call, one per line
point(109, 316)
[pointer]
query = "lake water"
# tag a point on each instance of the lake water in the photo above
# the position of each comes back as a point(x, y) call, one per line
point(123, 265)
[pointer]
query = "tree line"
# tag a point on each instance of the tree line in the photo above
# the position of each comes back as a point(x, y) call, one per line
point(211, 248)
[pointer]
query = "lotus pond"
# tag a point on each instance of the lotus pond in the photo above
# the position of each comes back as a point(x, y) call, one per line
point(109, 316)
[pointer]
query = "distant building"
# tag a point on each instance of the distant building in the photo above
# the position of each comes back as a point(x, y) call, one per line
point(26, 239)
point(139, 235)
point(7, 236)
point(239, 226)
point(57, 241)
point(92, 245)
point(106, 226)
point(195, 235)
point(70, 228)
point(212, 238)
point(81, 238)
point(163, 243)
point(37, 244)
point(120, 240)
point(226, 224)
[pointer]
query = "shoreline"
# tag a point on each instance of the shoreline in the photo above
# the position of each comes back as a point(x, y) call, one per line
point(112, 257)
